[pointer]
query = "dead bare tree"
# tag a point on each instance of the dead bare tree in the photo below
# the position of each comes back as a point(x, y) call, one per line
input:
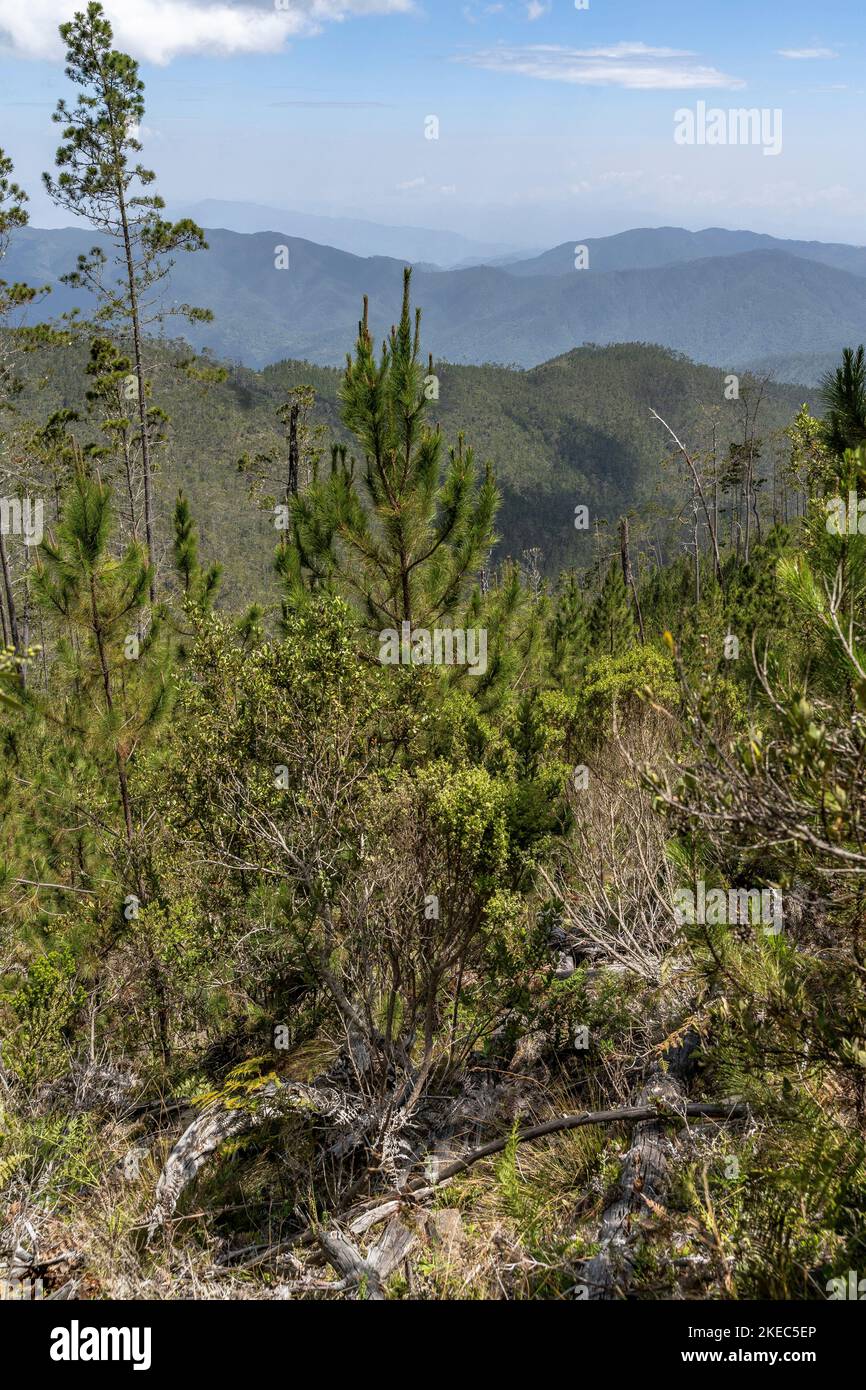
point(614, 881)
point(692, 466)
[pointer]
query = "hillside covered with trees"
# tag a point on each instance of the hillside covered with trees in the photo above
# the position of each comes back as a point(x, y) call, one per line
point(578, 430)
point(388, 910)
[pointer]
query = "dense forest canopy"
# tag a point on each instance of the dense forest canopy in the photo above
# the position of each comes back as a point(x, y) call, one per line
point(576, 431)
point(338, 961)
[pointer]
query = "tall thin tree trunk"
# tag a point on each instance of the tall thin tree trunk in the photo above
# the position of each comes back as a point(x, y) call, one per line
point(142, 417)
point(697, 552)
point(748, 510)
point(25, 615)
point(139, 375)
point(292, 489)
point(716, 496)
point(130, 490)
point(10, 597)
point(109, 703)
point(628, 575)
point(698, 487)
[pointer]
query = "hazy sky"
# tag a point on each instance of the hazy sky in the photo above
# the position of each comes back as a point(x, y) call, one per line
point(554, 122)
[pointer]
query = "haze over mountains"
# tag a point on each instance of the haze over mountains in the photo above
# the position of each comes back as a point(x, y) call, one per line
point(733, 299)
point(358, 235)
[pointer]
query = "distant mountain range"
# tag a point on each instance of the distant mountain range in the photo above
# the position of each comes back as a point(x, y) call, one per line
point(737, 300)
point(353, 234)
point(651, 248)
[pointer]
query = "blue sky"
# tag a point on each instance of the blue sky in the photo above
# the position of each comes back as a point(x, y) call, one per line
point(554, 122)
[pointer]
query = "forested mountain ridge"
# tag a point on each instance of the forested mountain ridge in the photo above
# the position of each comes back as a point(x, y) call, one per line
point(301, 301)
point(576, 430)
point(650, 248)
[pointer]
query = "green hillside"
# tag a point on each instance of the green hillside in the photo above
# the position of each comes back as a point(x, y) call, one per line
point(576, 430)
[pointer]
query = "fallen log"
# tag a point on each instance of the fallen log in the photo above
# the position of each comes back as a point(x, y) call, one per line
point(643, 1176)
point(369, 1213)
point(368, 1271)
point(643, 1173)
point(214, 1125)
point(730, 1109)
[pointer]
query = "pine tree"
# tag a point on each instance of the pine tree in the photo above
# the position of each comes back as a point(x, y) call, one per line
point(199, 586)
point(109, 668)
point(101, 181)
point(54, 453)
point(279, 472)
point(844, 396)
point(13, 216)
point(401, 541)
point(516, 624)
point(111, 402)
point(569, 631)
point(611, 624)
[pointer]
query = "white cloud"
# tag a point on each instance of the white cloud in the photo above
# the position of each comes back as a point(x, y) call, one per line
point(535, 9)
point(633, 65)
point(786, 196)
point(411, 183)
point(798, 53)
point(623, 176)
point(157, 31)
point(472, 16)
point(144, 132)
point(625, 180)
